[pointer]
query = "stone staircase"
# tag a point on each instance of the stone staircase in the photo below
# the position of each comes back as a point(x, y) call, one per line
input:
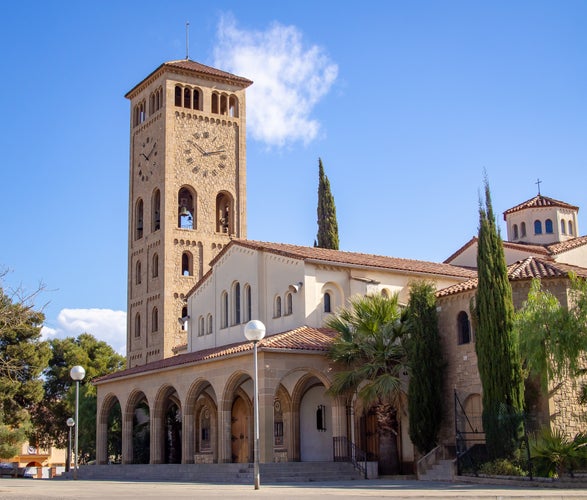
point(287, 472)
point(435, 466)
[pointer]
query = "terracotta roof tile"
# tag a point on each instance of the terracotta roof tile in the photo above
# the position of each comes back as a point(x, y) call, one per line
point(188, 65)
point(539, 201)
point(304, 338)
point(564, 246)
point(529, 268)
point(338, 257)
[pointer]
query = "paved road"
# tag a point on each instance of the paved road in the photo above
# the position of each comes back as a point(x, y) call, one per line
point(37, 489)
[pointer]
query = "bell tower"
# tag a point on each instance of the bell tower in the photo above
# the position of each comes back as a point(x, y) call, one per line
point(187, 195)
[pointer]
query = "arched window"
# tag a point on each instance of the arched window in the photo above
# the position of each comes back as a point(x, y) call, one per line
point(385, 293)
point(197, 100)
point(515, 231)
point(155, 319)
point(223, 105)
point(464, 328)
point(137, 325)
point(288, 303)
point(215, 103)
point(277, 307)
point(138, 272)
point(563, 226)
point(186, 209)
point(201, 326)
point(233, 106)
point(247, 308)
point(139, 219)
point(187, 264)
point(184, 317)
point(224, 211)
point(187, 98)
point(236, 297)
point(327, 304)
point(537, 227)
point(548, 226)
point(570, 228)
point(156, 211)
point(177, 95)
point(224, 310)
point(523, 229)
point(210, 325)
point(155, 266)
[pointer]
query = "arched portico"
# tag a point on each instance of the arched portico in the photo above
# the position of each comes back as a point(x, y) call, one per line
point(166, 427)
point(136, 436)
point(200, 424)
point(109, 409)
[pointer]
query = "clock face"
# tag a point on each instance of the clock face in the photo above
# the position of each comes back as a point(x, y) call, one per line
point(146, 158)
point(208, 149)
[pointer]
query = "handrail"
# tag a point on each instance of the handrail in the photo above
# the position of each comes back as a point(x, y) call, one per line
point(345, 451)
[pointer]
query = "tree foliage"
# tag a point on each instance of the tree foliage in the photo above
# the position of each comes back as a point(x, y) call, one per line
point(553, 338)
point(497, 345)
point(98, 358)
point(327, 223)
point(23, 355)
point(369, 358)
point(426, 367)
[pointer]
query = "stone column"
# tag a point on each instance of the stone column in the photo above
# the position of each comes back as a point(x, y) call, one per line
point(187, 439)
point(127, 428)
point(156, 437)
point(101, 438)
point(224, 443)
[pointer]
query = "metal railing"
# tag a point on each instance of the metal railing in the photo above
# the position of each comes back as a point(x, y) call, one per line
point(345, 451)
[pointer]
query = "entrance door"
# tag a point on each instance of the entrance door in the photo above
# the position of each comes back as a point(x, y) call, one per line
point(240, 431)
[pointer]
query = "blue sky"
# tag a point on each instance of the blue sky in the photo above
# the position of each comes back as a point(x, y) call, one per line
point(406, 102)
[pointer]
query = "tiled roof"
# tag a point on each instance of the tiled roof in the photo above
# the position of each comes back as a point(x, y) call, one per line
point(564, 246)
point(529, 268)
point(539, 201)
point(188, 65)
point(304, 338)
point(523, 247)
point(338, 257)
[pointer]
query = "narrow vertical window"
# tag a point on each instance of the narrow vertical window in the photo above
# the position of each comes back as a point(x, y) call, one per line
point(155, 266)
point(186, 264)
point(224, 310)
point(201, 326)
point(570, 228)
point(187, 98)
point(138, 273)
point(215, 103)
point(184, 317)
point(196, 99)
point(277, 312)
point(523, 229)
point(237, 303)
point(155, 320)
point(288, 304)
point(563, 226)
point(464, 328)
point(139, 219)
point(178, 95)
point(327, 304)
point(210, 325)
point(537, 227)
point(548, 226)
point(248, 311)
point(137, 325)
point(156, 211)
point(515, 231)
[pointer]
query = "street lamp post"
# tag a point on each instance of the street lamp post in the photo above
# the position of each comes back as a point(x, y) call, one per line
point(70, 423)
point(255, 331)
point(77, 373)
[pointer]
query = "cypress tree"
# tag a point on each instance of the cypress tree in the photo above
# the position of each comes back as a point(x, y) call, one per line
point(327, 224)
point(426, 367)
point(496, 344)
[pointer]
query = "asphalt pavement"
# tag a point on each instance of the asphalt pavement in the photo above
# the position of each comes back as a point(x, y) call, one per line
point(37, 489)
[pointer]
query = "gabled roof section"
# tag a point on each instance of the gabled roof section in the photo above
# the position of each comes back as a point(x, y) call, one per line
point(302, 339)
point(539, 201)
point(187, 66)
point(522, 247)
point(527, 269)
point(340, 258)
point(564, 246)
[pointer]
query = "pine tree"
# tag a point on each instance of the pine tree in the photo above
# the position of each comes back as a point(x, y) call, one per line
point(426, 367)
point(327, 224)
point(496, 344)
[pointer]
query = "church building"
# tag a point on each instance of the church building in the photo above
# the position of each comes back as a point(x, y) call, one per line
point(195, 280)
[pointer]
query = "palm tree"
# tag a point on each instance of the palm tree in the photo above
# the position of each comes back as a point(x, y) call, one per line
point(369, 358)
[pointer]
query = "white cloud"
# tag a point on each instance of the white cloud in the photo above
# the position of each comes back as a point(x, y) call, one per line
point(289, 79)
point(104, 324)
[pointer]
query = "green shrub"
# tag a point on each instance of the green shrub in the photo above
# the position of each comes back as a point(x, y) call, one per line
point(502, 467)
point(553, 453)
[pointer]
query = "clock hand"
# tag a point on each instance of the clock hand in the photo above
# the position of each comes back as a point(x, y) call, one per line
point(144, 156)
point(151, 152)
point(200, 149)
point(215, 152)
